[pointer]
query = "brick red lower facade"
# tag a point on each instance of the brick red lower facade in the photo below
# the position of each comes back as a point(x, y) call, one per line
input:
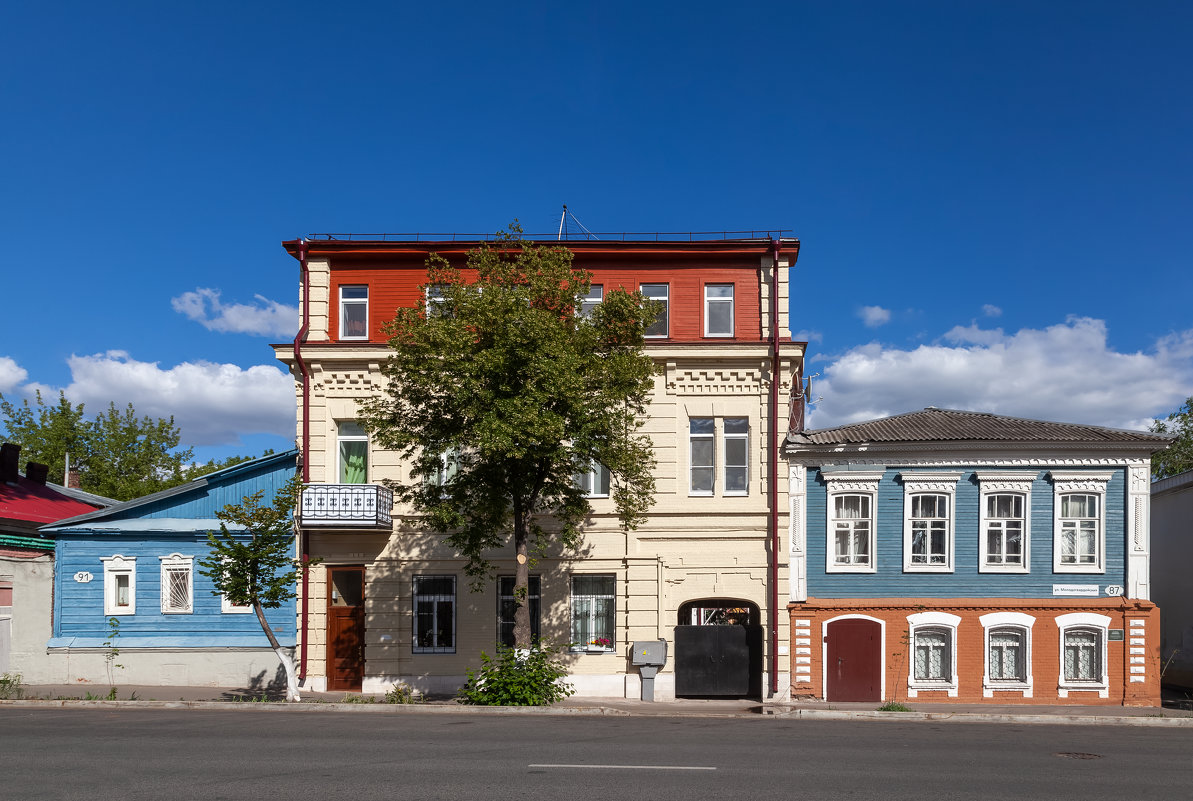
point(1132, 663)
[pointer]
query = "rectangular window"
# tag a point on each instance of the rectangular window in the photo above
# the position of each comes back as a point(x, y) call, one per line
point(1083, 655)
point(736, 436)
point(434, 614)
point(594, 483)
point(853, 530)
point(1079, 527)
point(1006, 651)
point(592, 612)
point(933, 655)
point(120, 585)
point(506, 606)
point(435, 301)
point(449, 466)
point(177, 588)
point(657, 292)
point(702, 455)
point(596, 293)
point(353, 453)
point(718, 310)
point(929, 530)
point(1004, 530)
point(354, 312)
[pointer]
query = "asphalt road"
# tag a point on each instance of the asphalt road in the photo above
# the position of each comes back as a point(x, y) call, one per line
point(179, 755)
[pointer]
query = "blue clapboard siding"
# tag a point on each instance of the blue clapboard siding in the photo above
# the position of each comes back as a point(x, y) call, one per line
point(965, 581)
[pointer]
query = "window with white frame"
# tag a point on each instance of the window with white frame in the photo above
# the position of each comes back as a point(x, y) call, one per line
point(354, 312)
point(735, 435)
point(588, 304)
point(352, 453)
point(659, 293)
point(702, 462)
point(718, 310)
point(120, 585)
point(594, 483)
point(852, 501)
point(229, 608)
point(435, 301)
point(1079, 521)
point(178, 591)
point(507, 605)
point(593, 606)
point(434, 614)
point(1083, 652)
point(449, 466)
point(1005, 538)
point(1008, 652)
point(933, 664)
point(928, 521)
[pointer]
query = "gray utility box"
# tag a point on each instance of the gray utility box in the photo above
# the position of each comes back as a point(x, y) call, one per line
point(648, 656)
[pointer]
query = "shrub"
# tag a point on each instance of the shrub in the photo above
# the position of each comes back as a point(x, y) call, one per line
point(10, 687)
point(401, 693)
point(894, 706)
point(527, 677)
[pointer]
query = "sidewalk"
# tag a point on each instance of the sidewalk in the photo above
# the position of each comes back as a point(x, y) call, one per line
point(1171, 714)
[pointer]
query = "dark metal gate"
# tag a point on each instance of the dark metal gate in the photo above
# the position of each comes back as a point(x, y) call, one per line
point(718, 661)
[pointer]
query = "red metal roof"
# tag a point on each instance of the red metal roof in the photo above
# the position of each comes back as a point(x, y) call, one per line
point(30, 502)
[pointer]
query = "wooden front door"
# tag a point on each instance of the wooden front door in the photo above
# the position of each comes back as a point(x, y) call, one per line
point(345, 627)
point(854, 660)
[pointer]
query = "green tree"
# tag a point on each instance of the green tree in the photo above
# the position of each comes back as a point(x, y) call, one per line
point(501, 392)
point(119, 455)
point(1178, 457)
point(252, 562)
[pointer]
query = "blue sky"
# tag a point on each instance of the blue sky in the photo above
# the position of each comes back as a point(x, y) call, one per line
point(994, 199)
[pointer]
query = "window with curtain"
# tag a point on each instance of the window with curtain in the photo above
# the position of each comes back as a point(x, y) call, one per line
point(353, 448)
point(1079, 521)
point(929, 529)
point(1083, 655)
point(1004, 529)
point(1006, 652)
point(852, 530)
point(593, 612)
point(933, 655)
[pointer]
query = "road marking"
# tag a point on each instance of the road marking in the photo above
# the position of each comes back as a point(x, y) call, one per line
point(628, 767)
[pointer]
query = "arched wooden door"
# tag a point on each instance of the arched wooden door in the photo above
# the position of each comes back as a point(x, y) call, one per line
point(853, 660)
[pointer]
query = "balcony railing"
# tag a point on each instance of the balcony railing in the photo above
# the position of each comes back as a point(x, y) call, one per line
point(347, 506)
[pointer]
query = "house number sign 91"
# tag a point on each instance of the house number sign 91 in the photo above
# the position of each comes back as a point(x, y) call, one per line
point(83, 577)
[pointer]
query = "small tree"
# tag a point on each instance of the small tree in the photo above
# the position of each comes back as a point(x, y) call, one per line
point(501, 392)
point(1178, 457)
point(251, 560)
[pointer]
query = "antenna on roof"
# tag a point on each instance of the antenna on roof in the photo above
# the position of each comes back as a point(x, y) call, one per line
point(563, 223)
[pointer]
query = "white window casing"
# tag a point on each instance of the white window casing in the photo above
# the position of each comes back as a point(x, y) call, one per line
point(718, 310)
point(997, 629)
point(1083, 666)
point(594, 483)
point(1079, 521)
point(354, 312)
point(352, 453)
point(735, 449)
point(178, 584)
point(659, 328)
point(932, 661)
point(702, 462)
point(851, 541)
point(120, 584)
point(594, 298)
point(928, 521)
point(1005, 515)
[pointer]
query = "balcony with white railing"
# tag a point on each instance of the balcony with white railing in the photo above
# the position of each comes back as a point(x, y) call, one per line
point(346, 506)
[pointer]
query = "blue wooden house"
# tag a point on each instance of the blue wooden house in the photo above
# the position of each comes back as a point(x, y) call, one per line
point(962, 556)
point(128, 577)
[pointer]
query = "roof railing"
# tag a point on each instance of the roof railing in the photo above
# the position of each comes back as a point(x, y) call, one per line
point(622, 236)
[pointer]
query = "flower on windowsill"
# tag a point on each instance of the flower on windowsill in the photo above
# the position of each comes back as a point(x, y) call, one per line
point(600, 642)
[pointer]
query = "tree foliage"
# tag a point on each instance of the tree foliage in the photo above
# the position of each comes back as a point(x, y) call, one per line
point(1178, 457)
point(517, 677)
point(251, 561)
point(500, 393)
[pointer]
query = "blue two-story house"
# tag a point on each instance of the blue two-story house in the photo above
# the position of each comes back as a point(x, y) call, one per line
point(962, 556)
point(128, 578)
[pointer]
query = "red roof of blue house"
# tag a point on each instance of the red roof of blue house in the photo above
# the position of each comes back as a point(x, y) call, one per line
point(29, 502)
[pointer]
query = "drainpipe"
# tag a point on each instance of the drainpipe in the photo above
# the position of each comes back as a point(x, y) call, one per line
point(304, 538)
point(773, 456)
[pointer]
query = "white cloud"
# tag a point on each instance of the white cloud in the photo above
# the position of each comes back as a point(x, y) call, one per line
point(1065, 372)
point(268, 318)
point(990, 310)
point(874, 316)
point(11, 374)
point(212, 404)
point(807, 336)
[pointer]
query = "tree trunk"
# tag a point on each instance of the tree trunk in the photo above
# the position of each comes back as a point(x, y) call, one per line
point(283, 655)
point(522, 633)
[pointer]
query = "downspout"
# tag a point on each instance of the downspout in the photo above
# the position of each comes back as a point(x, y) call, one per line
point(304, 547)
point(773, 457)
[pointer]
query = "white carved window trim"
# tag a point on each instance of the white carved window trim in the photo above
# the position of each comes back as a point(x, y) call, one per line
point(934, 483)
point(115, 567)
point(177, 565)
point(850, 482)
point(1079, 483)
point(1087, 621)
point(996, 483)
point(942, 621)
point(1001, 621)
